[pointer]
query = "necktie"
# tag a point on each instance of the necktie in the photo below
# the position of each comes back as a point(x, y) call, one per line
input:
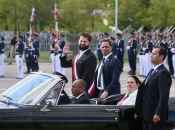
point(73, 100)
point(100, 73)
point(149, 75)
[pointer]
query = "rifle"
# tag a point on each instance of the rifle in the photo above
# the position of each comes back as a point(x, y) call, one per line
point(140, 29)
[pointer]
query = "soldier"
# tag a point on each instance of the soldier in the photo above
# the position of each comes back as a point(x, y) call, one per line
point(59, 49)
point(19, 48)
point(13, 43)
point(148, 47)
point(2, 46)
point(52, 53)
point(132, 53)
point(26, 55)
point(99, 53)
point(165, 45)
point(36, 52)
point(173, 56)
point(170, 62)
point(112, 40)
point(142, 56)
point(106, 36)
point(120, 48)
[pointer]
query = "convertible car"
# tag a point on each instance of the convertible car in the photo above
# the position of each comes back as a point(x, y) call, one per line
point(32, 104)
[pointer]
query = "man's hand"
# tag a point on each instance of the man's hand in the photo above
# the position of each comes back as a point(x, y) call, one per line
point(156, 118)
point(104, 94)
point(66, 48)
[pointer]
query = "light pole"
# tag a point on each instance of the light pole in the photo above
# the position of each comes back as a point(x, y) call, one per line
point(116, 16)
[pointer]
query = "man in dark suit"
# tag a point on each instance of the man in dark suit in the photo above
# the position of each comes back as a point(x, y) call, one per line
point(108, 73)
point(79, 92)
point(153, 93)
point(83, 64)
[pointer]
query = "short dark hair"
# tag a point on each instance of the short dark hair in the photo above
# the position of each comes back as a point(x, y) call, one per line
point(162, 51)
point(136, 79)
point(81, 82)
point(87, 35)
point(107, 41)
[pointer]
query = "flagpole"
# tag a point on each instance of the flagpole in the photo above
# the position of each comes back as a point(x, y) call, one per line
point(116, 16)
point(56, 17)
point(32, 30)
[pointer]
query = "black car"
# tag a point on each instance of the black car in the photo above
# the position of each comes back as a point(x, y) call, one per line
point(32, 104)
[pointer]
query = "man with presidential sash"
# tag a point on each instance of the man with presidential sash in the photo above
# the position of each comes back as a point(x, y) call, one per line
point(83, 64)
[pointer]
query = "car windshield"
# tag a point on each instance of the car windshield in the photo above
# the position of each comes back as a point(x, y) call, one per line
point(28, 89)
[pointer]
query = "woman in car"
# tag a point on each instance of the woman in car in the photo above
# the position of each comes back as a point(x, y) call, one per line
point(132, 86)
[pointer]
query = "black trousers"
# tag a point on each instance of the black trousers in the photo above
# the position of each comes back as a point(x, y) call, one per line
point(150, 125)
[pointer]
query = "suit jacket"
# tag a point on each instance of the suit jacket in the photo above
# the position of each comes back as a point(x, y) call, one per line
point(111, 75)
point(152, 97)
point(131, 99)
point(85, 66)
point(83, 99)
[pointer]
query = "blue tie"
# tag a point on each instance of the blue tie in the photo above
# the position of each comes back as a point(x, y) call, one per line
point(149, 75)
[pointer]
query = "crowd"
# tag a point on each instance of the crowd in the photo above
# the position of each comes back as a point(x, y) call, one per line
point(100, 81)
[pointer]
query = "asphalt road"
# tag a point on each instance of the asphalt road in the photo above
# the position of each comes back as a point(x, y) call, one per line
point(11, 74)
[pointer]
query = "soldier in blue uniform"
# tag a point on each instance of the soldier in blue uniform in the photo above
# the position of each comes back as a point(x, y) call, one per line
point(148, 47)
point(132, 53)
point(170, 62)
point(19, 48)
point(112, 40)
point(26, 55)
point(120, 48)
point(36, 52)
point(52, 54)
point(99, 53)
point(142, 56)
point(2, 46)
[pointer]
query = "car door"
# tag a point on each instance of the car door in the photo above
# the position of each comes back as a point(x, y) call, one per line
point(66, 117)
point(16, 117)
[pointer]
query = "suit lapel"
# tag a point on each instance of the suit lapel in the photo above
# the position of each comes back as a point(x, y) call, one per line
point(107, 60)
point(84, 55)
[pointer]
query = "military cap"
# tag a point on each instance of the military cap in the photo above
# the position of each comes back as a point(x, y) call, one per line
point(132, 33)
point(160, 35)
point(105, 33)
point(142, 37)
point(35, 34)
point(20, 36)
point(53, 34)
point(62, 34)
point(27, 34)
point(149, 35)
point(112, 38)
point(2, 38)
point(118, 34)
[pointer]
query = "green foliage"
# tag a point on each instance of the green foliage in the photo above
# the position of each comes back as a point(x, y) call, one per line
point(86, 15)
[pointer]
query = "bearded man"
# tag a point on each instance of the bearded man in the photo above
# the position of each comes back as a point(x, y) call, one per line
point(83, 64)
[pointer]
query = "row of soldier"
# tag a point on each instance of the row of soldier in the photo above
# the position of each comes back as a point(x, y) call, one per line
point(30, 51)
point(144, 47)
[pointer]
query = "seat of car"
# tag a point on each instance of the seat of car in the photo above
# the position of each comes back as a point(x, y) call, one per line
point(111, 100)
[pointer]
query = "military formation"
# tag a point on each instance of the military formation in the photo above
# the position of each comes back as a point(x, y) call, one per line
point(140, 44)
point(28, 48)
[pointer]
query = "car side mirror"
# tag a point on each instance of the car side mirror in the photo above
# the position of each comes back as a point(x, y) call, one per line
point(49, 103)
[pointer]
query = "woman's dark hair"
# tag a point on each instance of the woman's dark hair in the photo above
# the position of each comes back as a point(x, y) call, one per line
point(136, 79)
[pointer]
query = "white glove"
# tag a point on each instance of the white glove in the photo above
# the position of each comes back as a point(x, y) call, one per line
point(144, 49)
point(127, 47)
point(34, 56)
point(172, 50)
point(27, 55)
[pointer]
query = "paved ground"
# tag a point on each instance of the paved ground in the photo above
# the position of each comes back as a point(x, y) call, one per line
point(11, 74)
